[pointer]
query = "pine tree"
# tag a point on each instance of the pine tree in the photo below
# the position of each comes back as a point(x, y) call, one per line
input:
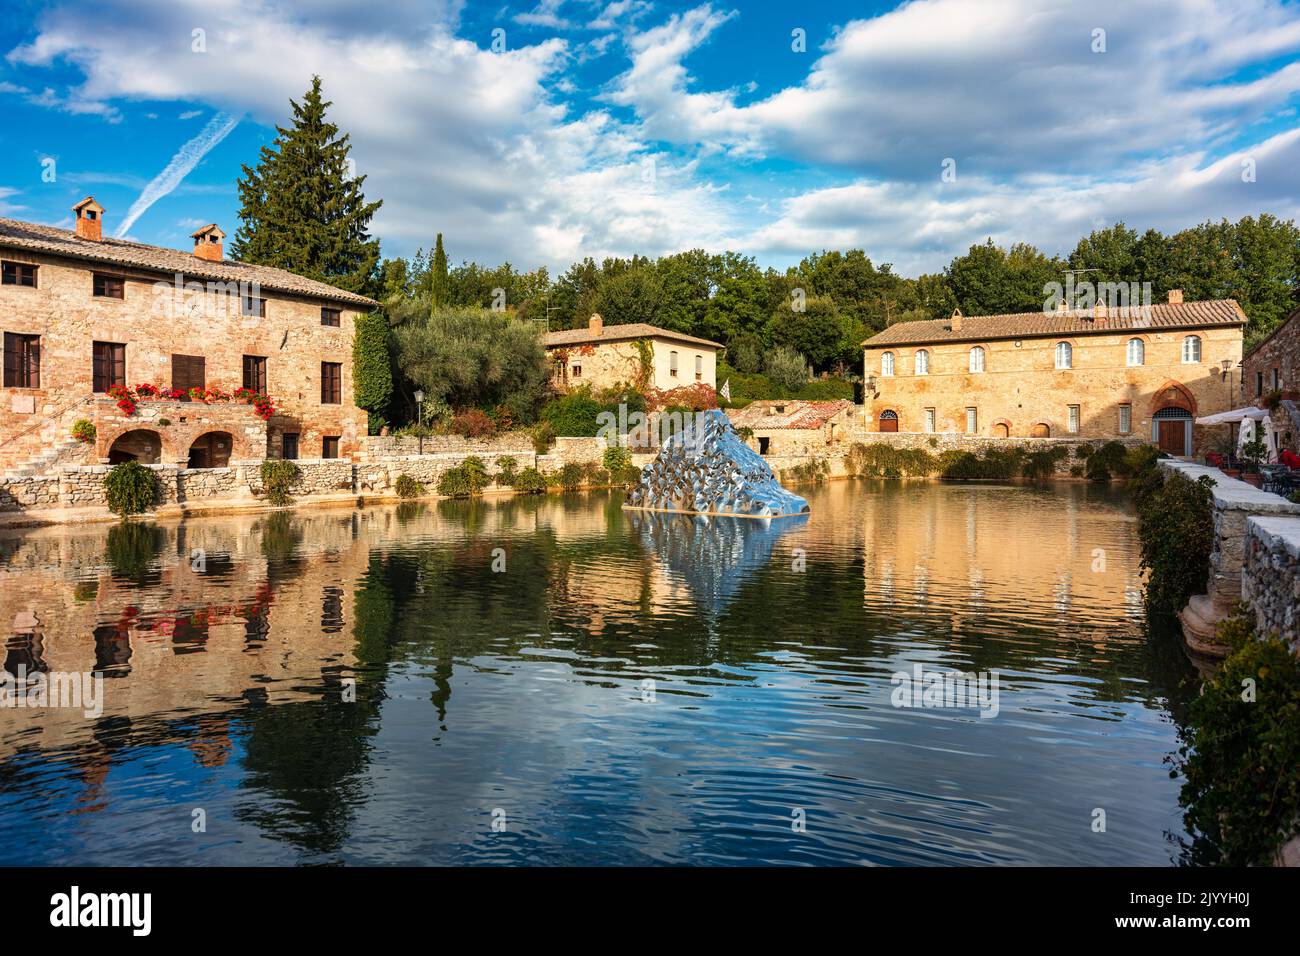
point(438, 278)
point(301, 210)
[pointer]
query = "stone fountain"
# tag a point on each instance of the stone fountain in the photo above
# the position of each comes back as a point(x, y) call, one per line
point(707, 469)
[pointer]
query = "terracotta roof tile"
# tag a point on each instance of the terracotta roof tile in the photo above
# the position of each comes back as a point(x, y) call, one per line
point(982, 328)
point(33, 237)
point(797, 414)
point(621, 333)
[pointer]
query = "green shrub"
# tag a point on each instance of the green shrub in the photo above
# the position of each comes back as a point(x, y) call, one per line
point(1176, 532)
point(1106, 462)
point(131, 488)
point(882, 460)
point(1039, 465)
point(468, 478)
point(1241, 753)
point(407, 487)
point(278, 476)
point(573, 414)
point(530, 481)
point(507, 470)
point(1083, 452)
point(815, 469)
point(993, 464)
point(618, 462)
point(826, 390)
point(543, 435)
point(477, 471)
point(787, 369)
point(570, 477)
point(372, 369)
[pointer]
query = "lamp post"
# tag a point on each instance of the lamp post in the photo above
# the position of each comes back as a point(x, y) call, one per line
point(419, 411)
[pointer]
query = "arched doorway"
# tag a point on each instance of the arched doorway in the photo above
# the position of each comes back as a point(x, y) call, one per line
point(211, 450)
point(889, 420)
point(1171, 429)
point(1001, 430)
point(1040, 430)
point(139, 444)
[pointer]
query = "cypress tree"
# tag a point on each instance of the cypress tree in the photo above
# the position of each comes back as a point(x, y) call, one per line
point(301, 210)
point(438, 279)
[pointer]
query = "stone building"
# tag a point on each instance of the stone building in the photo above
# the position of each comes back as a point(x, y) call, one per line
point(84, 315)
point(1143, 372)
point(1270, 375)
point(603, 356)
point(788, 427)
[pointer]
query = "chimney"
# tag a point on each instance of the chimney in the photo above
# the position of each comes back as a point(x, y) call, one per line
point(1175, 296)
point(207, 242)
point(90, 218)
point(1063, 306)
point(1100, 311)
point(597, 325)
point(955, 320)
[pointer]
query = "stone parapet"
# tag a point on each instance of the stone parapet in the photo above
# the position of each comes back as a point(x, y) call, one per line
point(1270, 578)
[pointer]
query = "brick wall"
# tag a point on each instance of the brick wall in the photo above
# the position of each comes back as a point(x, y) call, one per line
point(1274, 363)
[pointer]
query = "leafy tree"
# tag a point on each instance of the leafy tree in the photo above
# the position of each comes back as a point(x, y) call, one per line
point(439, 280)
point(989, 280)
point(817, 332)
point(787, 369)
point(302, 210)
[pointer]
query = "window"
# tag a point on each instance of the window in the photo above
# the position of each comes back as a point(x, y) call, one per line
point(1277, 379)
point(253, 307)
point(22, 361)
point(977, 359)
point(289, 446)
point(108, 365)
point(18, 273)
point(255, 373)
point(1259, 384)
point(1064, 355)
point(1125, 419)
point(922, 362)
point(329, 446)
point(328, 316)
point(672, 364)
point(972, 421)
point(331, 383)
point(929, 420)
point(577, 371)
point(1191, 349)
point(887, 363)
point(1137, 352)
point(107, 287)
point(699, 368)
point(188, 372)
point(1073, 427)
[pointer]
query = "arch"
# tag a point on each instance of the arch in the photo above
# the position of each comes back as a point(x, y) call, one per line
point(889, 420)
point(1171, 430)
point(137, 444)
point(211, 450)
point(1001, 428)
point(1173, 394)
point(1040, 430)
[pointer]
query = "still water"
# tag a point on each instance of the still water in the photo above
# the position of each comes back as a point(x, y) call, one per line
point(556, 681)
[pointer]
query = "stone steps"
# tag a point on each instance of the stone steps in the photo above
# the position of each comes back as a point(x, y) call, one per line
point(45, 461)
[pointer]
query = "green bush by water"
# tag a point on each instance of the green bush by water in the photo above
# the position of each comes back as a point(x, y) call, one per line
point(131, 488)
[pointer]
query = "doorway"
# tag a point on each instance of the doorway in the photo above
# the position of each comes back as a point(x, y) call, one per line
point(1172, 430)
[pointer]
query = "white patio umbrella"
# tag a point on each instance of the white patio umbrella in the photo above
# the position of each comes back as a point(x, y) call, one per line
point(1250, 413)
point(1250, 428)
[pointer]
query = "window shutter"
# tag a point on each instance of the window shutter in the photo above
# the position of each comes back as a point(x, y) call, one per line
point(11, 360)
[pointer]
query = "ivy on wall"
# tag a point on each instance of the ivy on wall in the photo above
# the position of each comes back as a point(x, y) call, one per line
point(372, 370)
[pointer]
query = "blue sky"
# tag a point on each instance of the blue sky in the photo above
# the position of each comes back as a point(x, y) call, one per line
point(602, 128)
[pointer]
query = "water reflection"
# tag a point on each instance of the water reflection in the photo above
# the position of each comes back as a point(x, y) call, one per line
point(362, 686)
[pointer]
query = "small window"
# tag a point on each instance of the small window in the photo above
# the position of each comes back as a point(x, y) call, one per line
point(887, 363)
point(577, 371)
point(972, 421)
point(255, 373)
point(1259, 384)
point(922, 362)
point(1125, 419)
point(1191, 349)
point(188, 371)
point(672, 364)
point(18, 273)
point(1137, 352)
point(1073, 427)
point(289, 446)
point(929, 420)
point(764, 445)
point(977, 359)
point(22, 361)
point(1064, 355)
point(1277, 379)
point(252, 307)
point(329, 446)
point(699, 368)
point(108, 287)
point(108, 365)
point(331, 383)
point(331, 317)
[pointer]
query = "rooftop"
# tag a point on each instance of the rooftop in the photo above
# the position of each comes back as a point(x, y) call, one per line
point(621, 333)
point(32, 237)
point(982, 328)
point(794, 414)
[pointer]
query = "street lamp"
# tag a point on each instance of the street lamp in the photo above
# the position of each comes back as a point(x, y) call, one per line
point(419, 404)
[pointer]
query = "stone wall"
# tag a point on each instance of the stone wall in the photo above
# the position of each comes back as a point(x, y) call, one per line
point(390, 446)
point(1274, 364)
point(1270, 577)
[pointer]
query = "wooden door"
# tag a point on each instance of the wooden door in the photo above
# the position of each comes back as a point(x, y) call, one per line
point(1171, 436)
point(888, 422)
